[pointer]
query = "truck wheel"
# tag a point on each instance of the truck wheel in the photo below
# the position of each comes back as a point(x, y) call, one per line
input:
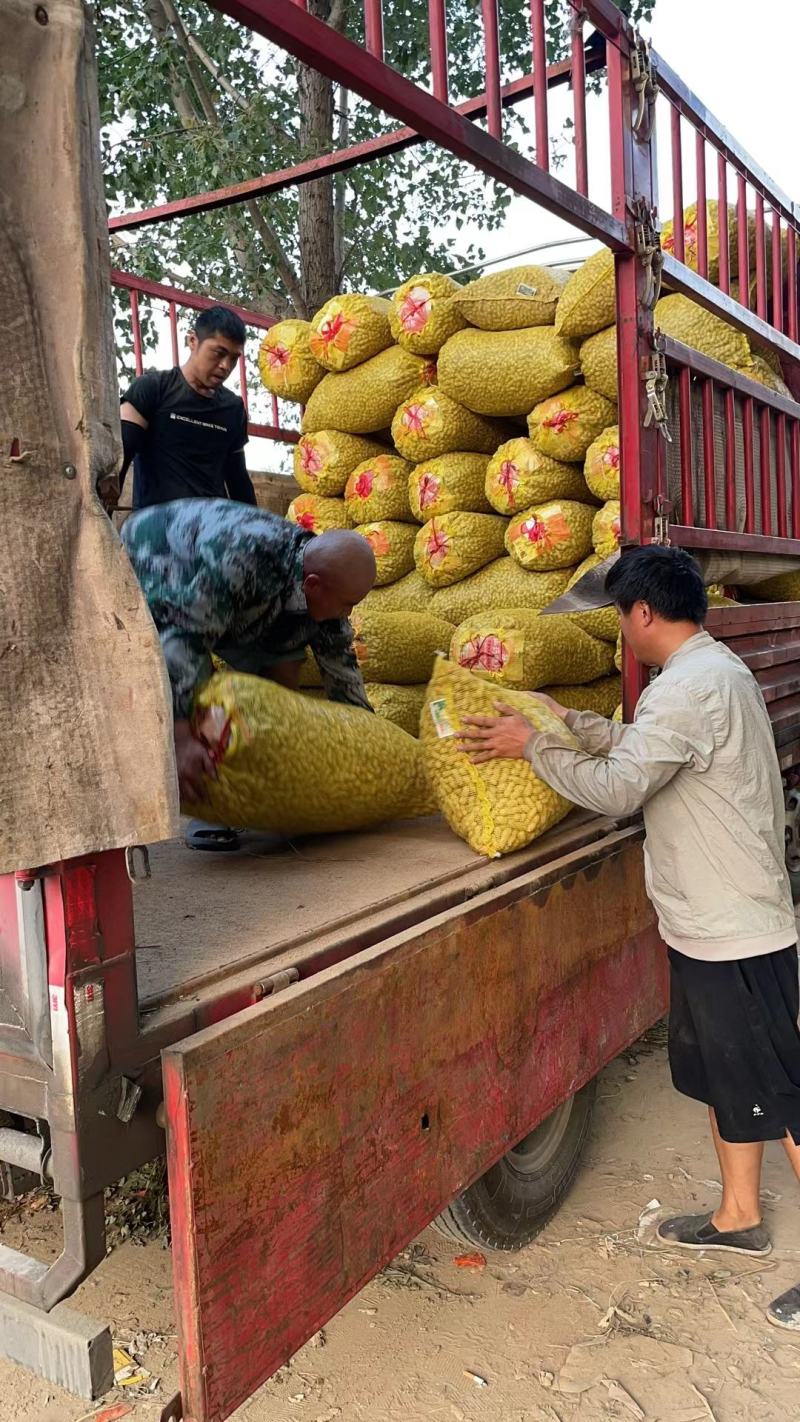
point(508, 1206)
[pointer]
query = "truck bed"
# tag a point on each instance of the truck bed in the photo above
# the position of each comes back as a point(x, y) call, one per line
point(203, 917)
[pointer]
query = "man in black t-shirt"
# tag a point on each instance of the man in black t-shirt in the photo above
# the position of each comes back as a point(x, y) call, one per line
point(183, 431)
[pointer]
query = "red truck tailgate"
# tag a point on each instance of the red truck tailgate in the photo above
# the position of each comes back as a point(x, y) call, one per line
point(313, 1135)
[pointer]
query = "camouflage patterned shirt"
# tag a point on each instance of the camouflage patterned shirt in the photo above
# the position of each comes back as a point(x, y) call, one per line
point(227, 578)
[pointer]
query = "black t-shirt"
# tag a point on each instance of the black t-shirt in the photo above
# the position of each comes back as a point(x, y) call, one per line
point(189, 438)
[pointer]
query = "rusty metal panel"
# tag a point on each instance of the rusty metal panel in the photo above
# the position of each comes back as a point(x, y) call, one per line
point(312, 1136)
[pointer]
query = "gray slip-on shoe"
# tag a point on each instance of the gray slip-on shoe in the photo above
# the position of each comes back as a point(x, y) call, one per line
point(697, 1232)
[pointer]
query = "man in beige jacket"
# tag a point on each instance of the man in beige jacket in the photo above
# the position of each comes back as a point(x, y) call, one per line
point(699, 760)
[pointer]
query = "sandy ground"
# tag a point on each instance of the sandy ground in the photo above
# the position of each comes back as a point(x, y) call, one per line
point(590, 1323)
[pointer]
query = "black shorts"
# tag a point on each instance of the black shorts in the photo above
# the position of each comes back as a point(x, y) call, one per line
point(734, 1042)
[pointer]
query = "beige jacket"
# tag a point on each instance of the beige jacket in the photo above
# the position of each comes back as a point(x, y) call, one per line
point(700, 761)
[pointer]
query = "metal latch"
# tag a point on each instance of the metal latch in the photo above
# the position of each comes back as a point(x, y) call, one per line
point(647, 241)
point(137, 863)
point(645, 83)
point(663, 512)
point(655, 385)
point(269, 986)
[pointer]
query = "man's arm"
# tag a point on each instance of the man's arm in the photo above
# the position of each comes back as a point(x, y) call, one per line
point(136, 410)
point(332, 646)
point(237, 480)
point(671, 731)
point(597, 734)
point(188, 666)
point(134, 437)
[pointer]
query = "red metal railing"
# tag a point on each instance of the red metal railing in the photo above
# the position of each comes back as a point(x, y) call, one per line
point(175, 299)
point(742, 267)
point(384, 145)
point(754, 220)
point(735, 253)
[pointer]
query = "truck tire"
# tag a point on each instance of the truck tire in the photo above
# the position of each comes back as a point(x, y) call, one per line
point(508, 1206)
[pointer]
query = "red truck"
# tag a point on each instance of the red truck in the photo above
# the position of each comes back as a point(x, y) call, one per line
point(390, 1030)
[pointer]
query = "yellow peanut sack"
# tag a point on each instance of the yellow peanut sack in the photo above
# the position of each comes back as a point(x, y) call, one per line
point(599, 362)
point(602, 466)
point(588, 301)
point(448, 484)
point(350, 329)
point(617, 716)
point(429, 423)
point(607, 529)
point(317, 514)
point(323, 462)
point(519, 647)
point(393, 545)
point(410, 593)
point(564, 426)
point(517, 476)
point(784, 587)
point(297, 764)
point(506, 373)
point(618, 653)
point(601, 696)
point(512, 300)
point(691, 238)
point(398, 647)
point(686, 321)
point(501, 805)
point(285, 361)
point(423, 313)
point(552, 535)
point(449, 548)
point(378, 489)
point(502, 583)
point(400, 704)
point(602, 622)
point(364, 400)
point(761, 370)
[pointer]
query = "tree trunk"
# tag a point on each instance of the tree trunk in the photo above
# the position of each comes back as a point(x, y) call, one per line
point(316, 227)
point(83, 689)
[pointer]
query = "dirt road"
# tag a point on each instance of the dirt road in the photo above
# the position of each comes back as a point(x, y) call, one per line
point(588, 1324)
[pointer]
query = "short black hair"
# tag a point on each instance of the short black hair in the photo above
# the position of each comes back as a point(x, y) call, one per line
point(668, 579)
point(218, 320)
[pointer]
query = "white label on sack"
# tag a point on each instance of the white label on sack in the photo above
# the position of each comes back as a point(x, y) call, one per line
point(440, 718)
point(524, 290)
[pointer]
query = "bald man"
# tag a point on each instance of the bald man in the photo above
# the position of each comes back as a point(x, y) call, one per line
point(251, 587)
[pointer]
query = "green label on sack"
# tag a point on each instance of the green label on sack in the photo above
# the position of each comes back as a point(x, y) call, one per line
point(440, 718)
point(524, 290)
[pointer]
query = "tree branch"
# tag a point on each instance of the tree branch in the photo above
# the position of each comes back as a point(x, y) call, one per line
point(283, 266)
point(282, 134)
point(181, 36)
point(181, 99)
point(340, 183)
point(214, 70)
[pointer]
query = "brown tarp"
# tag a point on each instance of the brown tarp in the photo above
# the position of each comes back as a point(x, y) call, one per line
point(85, 723)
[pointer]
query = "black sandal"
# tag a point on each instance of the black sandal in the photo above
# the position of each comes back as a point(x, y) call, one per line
point(220, 838)
point(697, 1232)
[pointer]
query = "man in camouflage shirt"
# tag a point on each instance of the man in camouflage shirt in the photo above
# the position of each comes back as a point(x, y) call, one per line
point(249, 586)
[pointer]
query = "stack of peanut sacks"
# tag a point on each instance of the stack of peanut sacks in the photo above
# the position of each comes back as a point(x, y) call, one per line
point(470, 434)
point(452, 428)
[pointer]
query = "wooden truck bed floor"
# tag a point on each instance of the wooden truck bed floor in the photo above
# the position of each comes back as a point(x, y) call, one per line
point(203, 916)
